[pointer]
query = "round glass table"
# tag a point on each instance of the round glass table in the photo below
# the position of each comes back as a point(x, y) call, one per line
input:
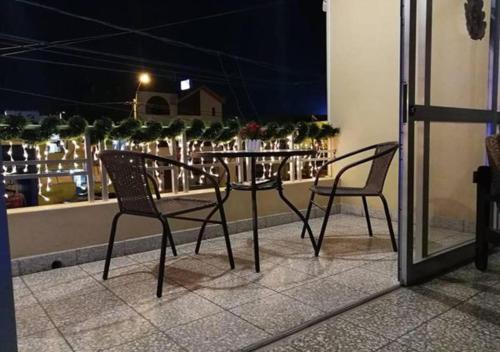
point(255, 185)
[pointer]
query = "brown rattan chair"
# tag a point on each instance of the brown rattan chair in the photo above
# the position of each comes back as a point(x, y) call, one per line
point(131, 180)
point(381, 161)
point(487, 179)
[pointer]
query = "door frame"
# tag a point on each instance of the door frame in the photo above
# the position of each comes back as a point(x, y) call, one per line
point(409, 271)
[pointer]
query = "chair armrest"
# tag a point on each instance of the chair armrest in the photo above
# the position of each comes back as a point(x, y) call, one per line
point(357, 163)
point(345, 156)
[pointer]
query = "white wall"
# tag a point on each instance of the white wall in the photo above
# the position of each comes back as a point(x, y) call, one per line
point(363, 78)
point(207, 102)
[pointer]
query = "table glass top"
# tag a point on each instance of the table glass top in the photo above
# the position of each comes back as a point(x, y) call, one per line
point(262, 153)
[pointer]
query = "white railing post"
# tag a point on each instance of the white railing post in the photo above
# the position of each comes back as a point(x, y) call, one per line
point(298, 165)
point(174, 172)
point(184, 159)
point(89, 163)
point(104, 175)
point(291, 163)
point(330, 155)
point(240, 161)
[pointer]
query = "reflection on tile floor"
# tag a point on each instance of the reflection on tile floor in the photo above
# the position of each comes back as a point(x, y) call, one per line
point(205, 306)
point(459, 311)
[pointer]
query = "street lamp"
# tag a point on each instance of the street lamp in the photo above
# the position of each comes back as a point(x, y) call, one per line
point(144, 78)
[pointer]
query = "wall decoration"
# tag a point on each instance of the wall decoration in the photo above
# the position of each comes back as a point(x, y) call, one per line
point(474, 16)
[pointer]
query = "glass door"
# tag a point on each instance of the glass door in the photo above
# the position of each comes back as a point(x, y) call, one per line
point(449, 98)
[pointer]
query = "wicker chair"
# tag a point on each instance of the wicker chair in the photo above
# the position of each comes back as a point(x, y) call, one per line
point(487, 179)
point(381, 161)
point(132, 182)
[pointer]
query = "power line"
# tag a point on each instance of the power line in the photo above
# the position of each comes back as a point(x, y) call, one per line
point(119, 56)
point(165, 40)
point(33, 47)
point(250, 100)
point(60, 99)
point(212, 76)
point(231, 87)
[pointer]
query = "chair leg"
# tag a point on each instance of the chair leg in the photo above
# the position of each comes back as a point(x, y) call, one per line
point(308, 214)
point(482, 230)
point(389, 223)
point(226, 236)
point(367, 215)
point(163, 251)
point(171, 240)
point(323, 226)
point(202, 230)
point(110, 246)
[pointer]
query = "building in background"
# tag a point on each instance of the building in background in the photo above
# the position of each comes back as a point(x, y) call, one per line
point(200, 103)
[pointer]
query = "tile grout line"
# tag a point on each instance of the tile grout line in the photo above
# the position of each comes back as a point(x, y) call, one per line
point(48, 316)
point(398, 338)
point(158, 330)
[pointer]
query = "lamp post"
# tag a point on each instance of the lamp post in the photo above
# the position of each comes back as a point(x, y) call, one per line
point(144, 78)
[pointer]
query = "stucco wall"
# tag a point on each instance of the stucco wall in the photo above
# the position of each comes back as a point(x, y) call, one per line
point(363, 80)
point(207, 102)
point(47, 229)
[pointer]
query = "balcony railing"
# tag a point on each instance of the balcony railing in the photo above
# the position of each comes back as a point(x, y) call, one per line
point(49, 162)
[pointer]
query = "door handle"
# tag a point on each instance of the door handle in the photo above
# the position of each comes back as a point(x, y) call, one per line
point(404, 103)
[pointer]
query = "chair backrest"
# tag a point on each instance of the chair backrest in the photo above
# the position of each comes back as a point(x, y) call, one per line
point(127, 171)
point(380, 166)
point(493, 151)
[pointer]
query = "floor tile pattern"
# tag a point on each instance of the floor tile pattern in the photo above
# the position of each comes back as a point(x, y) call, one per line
point(206, 306)
point(459, 311)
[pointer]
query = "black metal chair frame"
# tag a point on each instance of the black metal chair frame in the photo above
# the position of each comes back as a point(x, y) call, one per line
point(163, 217)
point(392, 148)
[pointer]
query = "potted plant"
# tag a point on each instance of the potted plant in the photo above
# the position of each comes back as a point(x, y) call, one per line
point(252, 133)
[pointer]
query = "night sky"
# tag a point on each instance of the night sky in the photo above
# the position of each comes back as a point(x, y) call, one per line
point(284, 40)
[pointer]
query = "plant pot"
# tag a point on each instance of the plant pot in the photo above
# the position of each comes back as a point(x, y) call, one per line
point(253, 145)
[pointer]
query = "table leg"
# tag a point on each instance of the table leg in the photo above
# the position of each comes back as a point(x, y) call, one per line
point(301, 217)
point(255, 224)
point(209, 216)
point(291, 206)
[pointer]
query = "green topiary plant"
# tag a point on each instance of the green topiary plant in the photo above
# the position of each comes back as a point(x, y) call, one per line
point(212, 132)
point(125, 130)
point(327, 131)
point(14, 129)
point(175, 128)
point(75, 128)
point(285, 130)
point(230, 130)
point(195, 131)
point(270, 131)
point(48, 126)
point(301, 134)
point(150, 133)
point(100, 130)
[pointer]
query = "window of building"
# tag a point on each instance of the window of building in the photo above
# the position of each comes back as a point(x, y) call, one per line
point(157, 106)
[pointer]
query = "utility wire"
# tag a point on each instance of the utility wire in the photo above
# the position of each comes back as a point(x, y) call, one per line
point(231, 87)
point(212, 74)
point(246, 90)
point(39, 46)
point(17, 91)
point(165, 40)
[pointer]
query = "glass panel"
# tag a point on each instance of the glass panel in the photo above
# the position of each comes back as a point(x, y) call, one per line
point(456, 151)
point(459, 76)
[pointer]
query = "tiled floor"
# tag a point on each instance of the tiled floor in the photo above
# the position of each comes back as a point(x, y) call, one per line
point(456, 312)
point(205, 306)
